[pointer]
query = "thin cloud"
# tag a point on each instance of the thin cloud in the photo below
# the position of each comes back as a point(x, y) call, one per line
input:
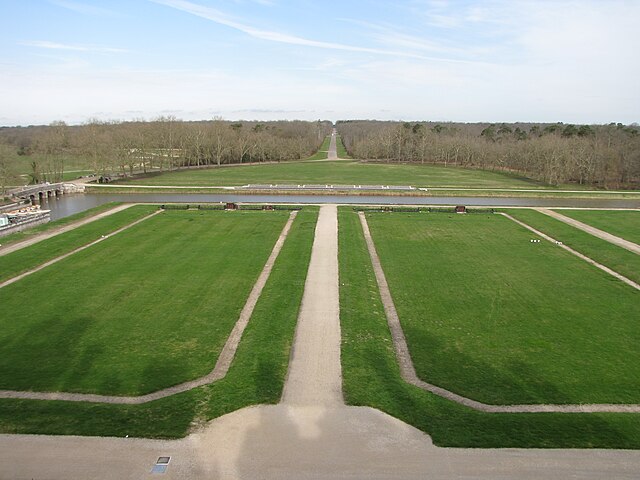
point(83, 8)
point(75, 48)
point(274, 36)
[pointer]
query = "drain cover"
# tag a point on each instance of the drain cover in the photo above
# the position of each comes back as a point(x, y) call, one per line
point(163, 460)
point(161, 465)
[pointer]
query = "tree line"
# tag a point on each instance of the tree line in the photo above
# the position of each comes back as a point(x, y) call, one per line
point(606, 156)
point(166, 143)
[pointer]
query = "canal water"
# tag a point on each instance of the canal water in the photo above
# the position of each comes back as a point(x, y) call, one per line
point(70, 204)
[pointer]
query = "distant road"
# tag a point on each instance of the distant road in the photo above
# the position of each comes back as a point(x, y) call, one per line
point(333, 150)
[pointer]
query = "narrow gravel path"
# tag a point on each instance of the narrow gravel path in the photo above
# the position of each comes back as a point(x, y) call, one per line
point(316, 351)
point(408, 372)
point(222, 365)
point(574, 252)
point(596, 232)
point(57, 231)
point(73, 252)
point(333, 146)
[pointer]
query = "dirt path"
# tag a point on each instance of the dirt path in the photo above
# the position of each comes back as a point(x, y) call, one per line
point(316, 351)
point(596, 232)
point(73, 252)
point(574, 252)
point(57, 231)
point(222, 365)
point(408, 372)
point(333, 148)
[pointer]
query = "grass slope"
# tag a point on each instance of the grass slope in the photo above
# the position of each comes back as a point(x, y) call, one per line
point(371, 377)
point(341, 151)
point(143, 310)
point(617, 258)
point(256, 374)
point(491, 316)
point(323, 151)
point(624, 224)
point(30, 257)
point(339, 172)
point(19, 236)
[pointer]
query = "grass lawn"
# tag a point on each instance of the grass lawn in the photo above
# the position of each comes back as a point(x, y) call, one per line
point(617, 258)
point(143, 310)
point(19, 236)
point(340, 172)
point(322, 153)
point(342, 152)
point(371, 377)
point(624, 224)
point(256, 374)
point(30, 257)
point(493, 317)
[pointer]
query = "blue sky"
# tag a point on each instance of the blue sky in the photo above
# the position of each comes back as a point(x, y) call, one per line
point(545, 61)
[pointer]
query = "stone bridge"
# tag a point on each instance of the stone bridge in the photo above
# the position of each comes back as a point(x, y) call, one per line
point(44, 191)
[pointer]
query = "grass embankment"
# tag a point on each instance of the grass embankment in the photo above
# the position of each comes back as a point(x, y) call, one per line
point(341, 151)
point(26, 234)
point(323, 151)
point(256, 375)
point(371, 376)
point(30, 257)
point(343, 173)
point(624, 224)
point(617, 258)
point(496, 318)
point(143, 310)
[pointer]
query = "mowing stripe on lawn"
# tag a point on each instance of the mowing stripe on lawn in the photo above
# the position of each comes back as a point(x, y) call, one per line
point(221, 367)
point(596, 232)
point(574, 252)
point(72, 252)
point(408, 372)
point(57, 231)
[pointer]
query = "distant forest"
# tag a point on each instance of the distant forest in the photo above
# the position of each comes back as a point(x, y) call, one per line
point(163, 144)
point(606, 156)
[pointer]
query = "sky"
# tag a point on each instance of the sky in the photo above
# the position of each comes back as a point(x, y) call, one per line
point(438, 60)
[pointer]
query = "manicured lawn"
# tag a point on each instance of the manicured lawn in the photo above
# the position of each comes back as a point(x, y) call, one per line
point(256, 374)
point(618, 259)
point(624, 224)
point(371, 377)
point(143, 310)
point(342, 152)
point(340, 172)
point(321, 154)
point(19, 236)
point(30, 257)
point(494, 317)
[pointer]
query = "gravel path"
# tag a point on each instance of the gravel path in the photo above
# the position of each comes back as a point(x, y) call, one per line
point(408, 372)
point(316, 351)
point(57, 231)
point(333, 148)
point(222, 365)
point(596, 232)
point(574, 252)
point(73, 252)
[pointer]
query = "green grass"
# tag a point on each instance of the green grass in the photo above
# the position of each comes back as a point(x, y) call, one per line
point(371, 377)
point(624, 224)
point(342, 152)
point(143, 310)
point(617, 258)
point(493, 317)
point(30, 257)
point(256, 374)
point(322, 152)
point(19, 236)
point(340, 172)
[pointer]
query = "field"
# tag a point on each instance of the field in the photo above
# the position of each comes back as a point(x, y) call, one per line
point(341, 151)
point(322, 152)
point(340, 172)
point(30, 257)
point(370, 370)
point(622, 261)
point(624, 224)
point(146, 309)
